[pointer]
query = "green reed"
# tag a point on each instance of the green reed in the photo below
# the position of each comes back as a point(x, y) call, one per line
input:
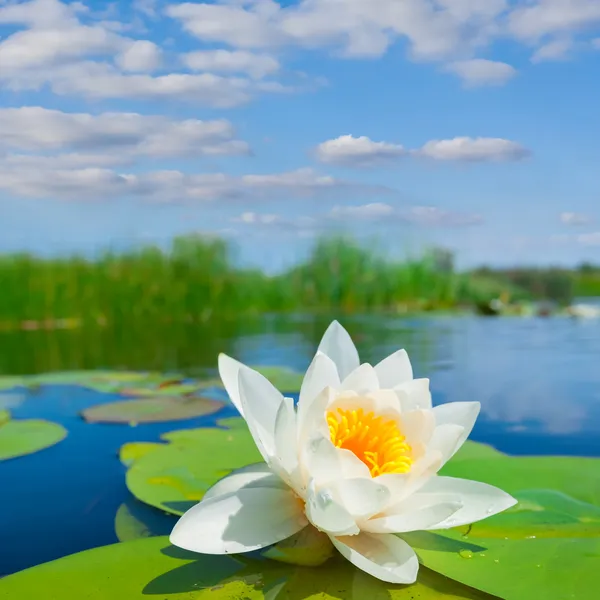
point(197, 280)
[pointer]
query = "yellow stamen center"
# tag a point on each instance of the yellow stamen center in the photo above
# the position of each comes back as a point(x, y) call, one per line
point(375, 440)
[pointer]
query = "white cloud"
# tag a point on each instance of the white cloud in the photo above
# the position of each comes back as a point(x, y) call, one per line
point(302, 226)
point(363, 152)
point(478, 72)
point(353, 27)
point(38, 129)
point(572, 218)
point(357, 151)
point(45, 181)
point(372, 211)
point(141, 56)
point(468, 149)
point(533, 20)
point(429, 216)
point(229, 61)
point(589, 239)
point(554, 50)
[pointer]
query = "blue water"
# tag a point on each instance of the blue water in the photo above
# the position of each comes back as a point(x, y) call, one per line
point(538, 381)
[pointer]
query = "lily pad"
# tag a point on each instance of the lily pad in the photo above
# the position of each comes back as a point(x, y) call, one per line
point(151, 410)
point(21, 437)
point(577, 477)
point(132, 451)
point(135, 520)
point(178, 389)
point(176, 475)
point(151, 567)
point(552, 568)
point(9, 382)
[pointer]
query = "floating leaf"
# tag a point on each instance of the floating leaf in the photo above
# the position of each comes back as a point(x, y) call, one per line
point(176, 475)
point(133, 450)
point(309, 547)
point(577, 477)
point(135, 521)
point(179, 389)
point(151, 568)
point(9, 382)
point(151, 410)
point(21, 437)
point(550, 568)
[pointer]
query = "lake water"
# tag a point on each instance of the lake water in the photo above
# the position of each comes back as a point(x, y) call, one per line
point(538, 381)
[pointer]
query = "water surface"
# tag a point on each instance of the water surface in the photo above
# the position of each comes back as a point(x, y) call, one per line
point(538, 381)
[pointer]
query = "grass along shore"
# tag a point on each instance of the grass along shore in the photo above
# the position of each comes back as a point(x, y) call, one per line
point(196, 280)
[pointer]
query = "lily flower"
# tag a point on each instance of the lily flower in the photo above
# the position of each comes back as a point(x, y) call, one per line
point(357, 459)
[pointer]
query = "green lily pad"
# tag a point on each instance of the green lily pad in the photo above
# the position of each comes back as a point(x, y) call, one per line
point(21, 437)
point(178, 389)
point(151, 410)
point(132, 451)
point(577, 477)
point(547, 567)
point(151, 568)
point(176, 475)
point(308, 548)
point(9, 382)
point(135, 520)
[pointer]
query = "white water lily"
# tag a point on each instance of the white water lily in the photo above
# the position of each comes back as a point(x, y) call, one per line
point(357, 459)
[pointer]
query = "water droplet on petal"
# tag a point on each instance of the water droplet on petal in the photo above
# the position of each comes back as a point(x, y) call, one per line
point(451, 521)
point(465, 553)
point(489, 511)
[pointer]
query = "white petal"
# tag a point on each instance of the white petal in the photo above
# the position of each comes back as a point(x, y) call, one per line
point(286, 444)
point(446, 439)
point(414, 394)
point(321, 374)
point(338, 345)
point(246, 520)
point(458, 413)
point(229, 369)
point(325, 511)
point(362, 380)
point(417, 426)
point(394, 370)
point(362, 497)
point(418, 512)
point(479, 500)
point(384, 556)
point(259, 473)
point(321, 460)
point(314, 420)
point(402, 485)
point(260, 402)
point(386, 403)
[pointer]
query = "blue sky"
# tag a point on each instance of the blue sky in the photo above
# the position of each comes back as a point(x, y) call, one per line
point(471, 124)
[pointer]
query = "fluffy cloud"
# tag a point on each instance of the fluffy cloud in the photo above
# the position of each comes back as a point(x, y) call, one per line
point(479, 72)
point(572, 218)
point(555, 50)
point(41, 180)
point(357, 151)
point(468, 149)
point(354, 27)
point(589, 239)
point(533, 20)
point(363, 152)
point(421, 215)
point(55, 48)
point(39, 129)
point(140, 56)
point(229, 61)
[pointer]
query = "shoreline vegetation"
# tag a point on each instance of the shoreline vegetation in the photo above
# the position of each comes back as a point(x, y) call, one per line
point(197, 280)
